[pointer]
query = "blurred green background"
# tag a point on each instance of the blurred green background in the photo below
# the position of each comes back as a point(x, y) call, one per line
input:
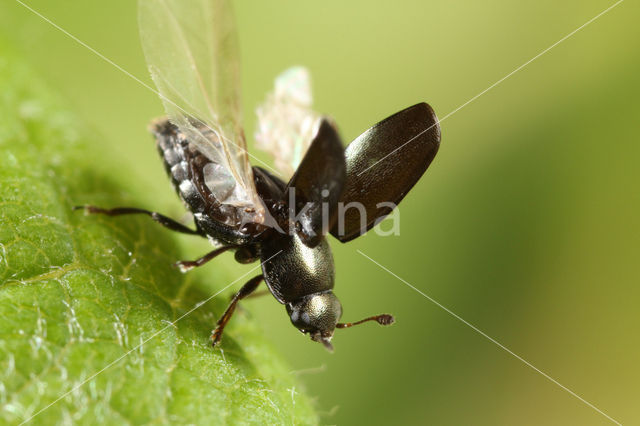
point(527, 225)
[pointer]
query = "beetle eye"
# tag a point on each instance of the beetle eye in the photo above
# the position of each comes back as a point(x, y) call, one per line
point(315, 313)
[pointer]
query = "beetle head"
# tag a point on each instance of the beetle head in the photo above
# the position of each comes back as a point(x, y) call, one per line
point(317, 315)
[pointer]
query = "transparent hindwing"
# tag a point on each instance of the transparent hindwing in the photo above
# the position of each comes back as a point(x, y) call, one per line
point(286, 122)
point(191, 50)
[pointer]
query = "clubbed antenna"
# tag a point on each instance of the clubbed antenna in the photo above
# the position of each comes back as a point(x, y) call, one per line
point(382, 319)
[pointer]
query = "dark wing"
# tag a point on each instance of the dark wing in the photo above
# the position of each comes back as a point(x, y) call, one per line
point(318, 183)
point(383, 164)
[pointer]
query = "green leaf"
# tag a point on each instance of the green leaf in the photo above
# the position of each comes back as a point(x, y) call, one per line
point(79, 292)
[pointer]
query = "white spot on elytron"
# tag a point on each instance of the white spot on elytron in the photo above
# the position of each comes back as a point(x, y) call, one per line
point(218, 180)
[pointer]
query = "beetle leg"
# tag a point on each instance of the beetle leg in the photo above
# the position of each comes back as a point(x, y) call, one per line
point(187, 265)
point(161, 219)
point(258, 294)
point(246, 290)
point(251, 296)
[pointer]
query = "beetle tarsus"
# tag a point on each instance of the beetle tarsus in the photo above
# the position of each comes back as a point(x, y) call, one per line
point(187, 265)
point(160, 218)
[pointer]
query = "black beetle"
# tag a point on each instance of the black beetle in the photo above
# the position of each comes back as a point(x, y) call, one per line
point(250, 210)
